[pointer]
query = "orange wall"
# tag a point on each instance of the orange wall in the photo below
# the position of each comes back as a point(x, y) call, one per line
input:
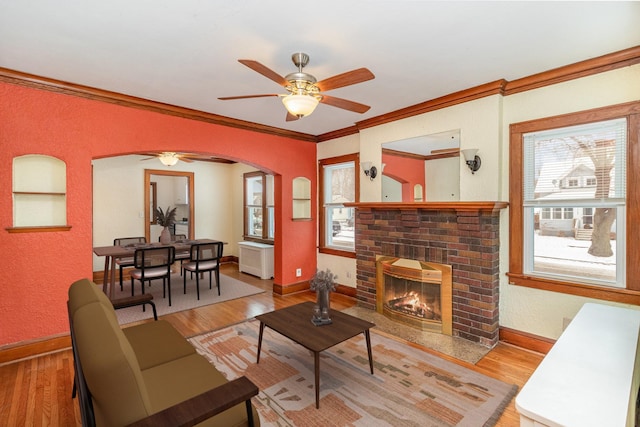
point(406, 170)
point(37, 268)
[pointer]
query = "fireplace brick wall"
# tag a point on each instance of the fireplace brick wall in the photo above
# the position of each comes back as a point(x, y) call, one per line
point(468, 240)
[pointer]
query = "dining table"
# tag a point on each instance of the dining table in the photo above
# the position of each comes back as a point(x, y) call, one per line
point(114, 252)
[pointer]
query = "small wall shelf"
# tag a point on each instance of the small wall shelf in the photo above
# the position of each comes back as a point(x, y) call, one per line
point(39, 192)
point(301, 198)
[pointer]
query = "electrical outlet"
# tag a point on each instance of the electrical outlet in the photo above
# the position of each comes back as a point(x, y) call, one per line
point(348, 274)
point(298, 272)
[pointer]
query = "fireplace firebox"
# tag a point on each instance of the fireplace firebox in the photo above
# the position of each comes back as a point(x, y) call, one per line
point(415, 292)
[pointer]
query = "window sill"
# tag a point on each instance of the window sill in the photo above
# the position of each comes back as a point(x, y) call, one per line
point(625, 296)
point(337, 252)
point(38, 229)
point(258, 240)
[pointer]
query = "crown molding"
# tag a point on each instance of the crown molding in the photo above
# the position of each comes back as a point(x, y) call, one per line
point(612, 61)
point(58, 86)
point(600, 64)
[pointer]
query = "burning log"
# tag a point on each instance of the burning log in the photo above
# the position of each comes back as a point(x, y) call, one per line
point(411, 304)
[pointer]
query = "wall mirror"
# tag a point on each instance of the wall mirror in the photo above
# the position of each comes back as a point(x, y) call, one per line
point(172, 189)
point(153, 202)
point(423, 168)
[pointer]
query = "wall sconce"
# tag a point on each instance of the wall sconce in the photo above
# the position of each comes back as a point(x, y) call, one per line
point(370, 170)
point(471, 159)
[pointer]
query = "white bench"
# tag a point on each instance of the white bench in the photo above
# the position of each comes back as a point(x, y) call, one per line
point(591, 375)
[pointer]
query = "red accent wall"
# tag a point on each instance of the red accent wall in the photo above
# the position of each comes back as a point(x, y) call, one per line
point(37, 268)
point(407, 171)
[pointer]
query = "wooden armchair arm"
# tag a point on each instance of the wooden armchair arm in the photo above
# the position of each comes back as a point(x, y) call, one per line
point(135, 300)
point(205, 405)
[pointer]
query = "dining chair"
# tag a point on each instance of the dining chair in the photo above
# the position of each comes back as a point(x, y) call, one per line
point(203, 257)
point(153, 263)
point(180, 255)
point(128, 261)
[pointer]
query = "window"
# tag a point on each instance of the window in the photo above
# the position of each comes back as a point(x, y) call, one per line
point(587, 217)
point(570, 185)
point(572, 182)
point(556, 213)
point(259, 222)
point(339, 185)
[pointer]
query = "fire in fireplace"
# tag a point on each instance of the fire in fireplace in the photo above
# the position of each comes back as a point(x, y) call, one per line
point(415, 292)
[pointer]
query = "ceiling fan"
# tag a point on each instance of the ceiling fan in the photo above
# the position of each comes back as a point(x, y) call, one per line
point(304, 91)
point(170, 158)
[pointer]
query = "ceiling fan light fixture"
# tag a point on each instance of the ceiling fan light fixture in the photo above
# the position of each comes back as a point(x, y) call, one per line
point(300, 105)
point(168, 159)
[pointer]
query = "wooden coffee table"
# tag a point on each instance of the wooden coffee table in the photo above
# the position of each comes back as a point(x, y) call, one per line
point(295, 323)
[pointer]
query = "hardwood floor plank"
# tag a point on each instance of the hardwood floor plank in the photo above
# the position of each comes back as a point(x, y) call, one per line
point(37, 391)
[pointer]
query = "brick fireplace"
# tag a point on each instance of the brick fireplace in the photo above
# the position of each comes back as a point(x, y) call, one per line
point(463, 235)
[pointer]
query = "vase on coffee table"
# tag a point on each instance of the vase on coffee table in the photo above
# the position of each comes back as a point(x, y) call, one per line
point(323, 283)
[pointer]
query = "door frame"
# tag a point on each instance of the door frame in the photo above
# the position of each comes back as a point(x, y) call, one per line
point(147, 198)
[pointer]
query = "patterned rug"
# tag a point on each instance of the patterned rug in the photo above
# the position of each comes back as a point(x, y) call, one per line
point(409, 387)
point(230, 289)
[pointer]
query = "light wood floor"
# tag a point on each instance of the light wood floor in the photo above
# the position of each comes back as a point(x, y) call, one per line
point(37, 391)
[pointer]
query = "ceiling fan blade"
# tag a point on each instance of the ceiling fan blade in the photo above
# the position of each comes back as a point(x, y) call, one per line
point(184, 159)
point(227, 98)
point(148, 158)
point(344, 104)
point(291, 117)
point(345, 79)
point(264, 70)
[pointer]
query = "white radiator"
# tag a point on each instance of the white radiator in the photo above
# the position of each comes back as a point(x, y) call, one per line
point(256, 259)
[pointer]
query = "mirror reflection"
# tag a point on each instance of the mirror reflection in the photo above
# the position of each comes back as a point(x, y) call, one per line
point(169, 189)
point(423, 168)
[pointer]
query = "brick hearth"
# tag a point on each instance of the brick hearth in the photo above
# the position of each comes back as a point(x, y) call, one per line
point(464, 235)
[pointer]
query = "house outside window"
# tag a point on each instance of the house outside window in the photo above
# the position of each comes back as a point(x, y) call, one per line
point(572, 238)
point(338, 180)
point(259, 224)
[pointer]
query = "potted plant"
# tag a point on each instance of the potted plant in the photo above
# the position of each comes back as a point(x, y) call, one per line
point(323, 282)
point(166, 220)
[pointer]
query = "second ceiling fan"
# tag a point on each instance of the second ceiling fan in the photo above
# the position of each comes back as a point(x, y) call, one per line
point(304, 91)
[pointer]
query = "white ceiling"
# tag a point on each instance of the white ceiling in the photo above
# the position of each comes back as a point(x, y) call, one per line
point(185, 52)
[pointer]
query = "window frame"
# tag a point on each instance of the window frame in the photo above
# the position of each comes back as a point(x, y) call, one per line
point(631, 293)
point(267, 210)
point(322, 227)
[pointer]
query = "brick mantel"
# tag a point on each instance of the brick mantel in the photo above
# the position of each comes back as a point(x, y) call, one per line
point(456, 206)
point(465, 235)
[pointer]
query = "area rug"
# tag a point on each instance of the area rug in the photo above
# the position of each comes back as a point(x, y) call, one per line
point(409, 387)
point(230, 289)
